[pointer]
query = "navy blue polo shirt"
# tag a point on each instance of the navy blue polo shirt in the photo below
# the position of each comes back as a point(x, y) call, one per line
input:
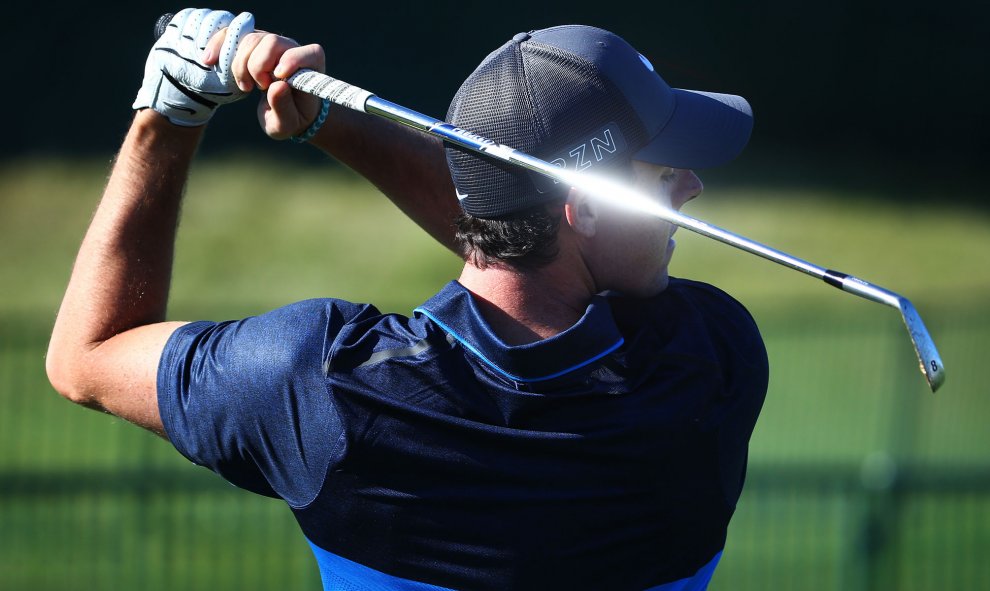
point(422, 452)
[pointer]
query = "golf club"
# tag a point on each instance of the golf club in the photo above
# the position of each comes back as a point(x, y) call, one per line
point(352, 97)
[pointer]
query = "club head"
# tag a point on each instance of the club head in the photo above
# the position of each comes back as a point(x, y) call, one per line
point(924, 346)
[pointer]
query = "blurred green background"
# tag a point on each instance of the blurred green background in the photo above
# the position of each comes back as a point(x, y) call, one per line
point(868, 157)
point(860, 478)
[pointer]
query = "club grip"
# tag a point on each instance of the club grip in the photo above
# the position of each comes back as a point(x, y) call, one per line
point(162, 23)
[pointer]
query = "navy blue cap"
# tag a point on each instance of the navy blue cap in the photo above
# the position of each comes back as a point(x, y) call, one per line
point(687, 128)
point(582, 98)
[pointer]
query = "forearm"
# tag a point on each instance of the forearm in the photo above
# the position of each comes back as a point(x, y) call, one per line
point(123, 269)
point(408, 166)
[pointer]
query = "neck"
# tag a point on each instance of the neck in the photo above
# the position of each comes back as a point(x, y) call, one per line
point(525, 306)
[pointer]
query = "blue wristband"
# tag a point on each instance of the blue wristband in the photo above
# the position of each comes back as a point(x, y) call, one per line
point(316, 125)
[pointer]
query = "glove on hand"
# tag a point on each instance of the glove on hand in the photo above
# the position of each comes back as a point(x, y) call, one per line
point(175, 83)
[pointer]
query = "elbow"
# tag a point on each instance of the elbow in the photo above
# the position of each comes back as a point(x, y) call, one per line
point(65, 378)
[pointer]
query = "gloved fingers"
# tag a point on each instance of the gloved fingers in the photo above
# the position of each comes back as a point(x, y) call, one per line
point(242, 25)
point(181, 81)
point(174, 29)
point(186, 45)
point(213, 22)
point(246, 51)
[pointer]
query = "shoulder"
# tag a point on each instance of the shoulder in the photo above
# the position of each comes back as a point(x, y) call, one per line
point(248, 398)
point(696, 316)
point(684, 300)
point(732, 330)
point(707, 299)
point(701, 292)
point(722, 314)
point(277, 334)
point(315, 315)
point(258, 354)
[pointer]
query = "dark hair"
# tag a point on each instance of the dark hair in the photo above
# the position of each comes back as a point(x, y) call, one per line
point(524, 239)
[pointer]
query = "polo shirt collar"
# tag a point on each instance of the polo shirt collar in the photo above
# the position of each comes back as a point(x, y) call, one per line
point(594, 336)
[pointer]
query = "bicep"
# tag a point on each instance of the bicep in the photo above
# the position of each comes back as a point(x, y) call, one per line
point(121, 374)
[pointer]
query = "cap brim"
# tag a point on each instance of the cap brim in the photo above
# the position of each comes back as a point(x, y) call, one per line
point(706, 129)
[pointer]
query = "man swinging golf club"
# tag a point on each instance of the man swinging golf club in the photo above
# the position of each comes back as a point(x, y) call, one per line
point(564, 415)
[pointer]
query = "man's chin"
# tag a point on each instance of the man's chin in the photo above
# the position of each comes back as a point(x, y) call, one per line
point(658, 285)
point(662, 283)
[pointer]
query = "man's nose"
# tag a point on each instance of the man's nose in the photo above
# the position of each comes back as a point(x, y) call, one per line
point(690, 187)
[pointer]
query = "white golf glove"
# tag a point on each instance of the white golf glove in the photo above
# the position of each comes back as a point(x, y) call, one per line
point(175, 83)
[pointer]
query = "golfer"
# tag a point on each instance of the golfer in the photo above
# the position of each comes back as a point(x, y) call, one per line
point(564, 415)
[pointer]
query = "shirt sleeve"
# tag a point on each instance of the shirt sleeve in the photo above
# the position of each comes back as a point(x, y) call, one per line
point(248, 399)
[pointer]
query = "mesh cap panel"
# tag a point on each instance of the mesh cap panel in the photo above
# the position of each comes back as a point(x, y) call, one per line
point(538, 99)
point(492, 102)
point(581, 98)
point(572, 102)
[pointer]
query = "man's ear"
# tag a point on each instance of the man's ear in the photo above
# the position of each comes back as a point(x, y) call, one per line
point(581, 213)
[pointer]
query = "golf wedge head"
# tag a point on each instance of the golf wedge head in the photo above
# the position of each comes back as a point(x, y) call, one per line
point(924, 346)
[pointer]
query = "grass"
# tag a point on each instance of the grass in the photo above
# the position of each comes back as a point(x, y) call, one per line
point(282, 233)
point(116, 541)
point(248, 242)
point(113, 507)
